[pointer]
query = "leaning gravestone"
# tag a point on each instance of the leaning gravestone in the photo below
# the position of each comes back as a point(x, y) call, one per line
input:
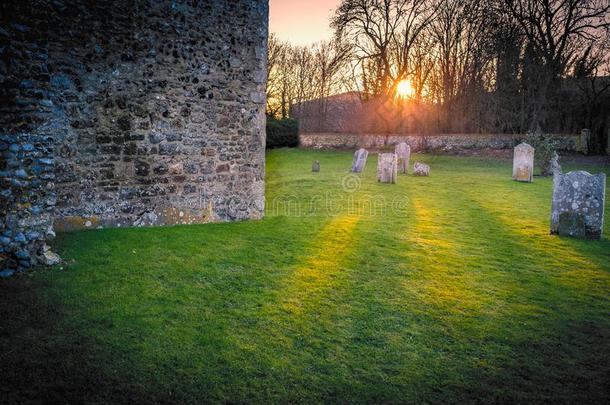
point(403, 151)
point(359, 160)
point(523, 163)
point(578, 204)
point(387, 167)
point(421, 169)
point(315, 166)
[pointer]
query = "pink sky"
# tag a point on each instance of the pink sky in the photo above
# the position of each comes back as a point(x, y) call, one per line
point(301, 21)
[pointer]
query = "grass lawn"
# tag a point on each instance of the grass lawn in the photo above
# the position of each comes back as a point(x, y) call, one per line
point(440, 289)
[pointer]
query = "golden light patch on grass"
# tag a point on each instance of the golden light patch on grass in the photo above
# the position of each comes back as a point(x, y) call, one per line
point(322, 265)
point(586, 278)
point(428, 229)
point(534, 235)
point(446, 283)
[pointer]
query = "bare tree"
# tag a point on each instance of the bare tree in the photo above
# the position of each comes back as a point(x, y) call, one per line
point(474, 65)
point(330, 61)
point(276, 74)
point(462, 43)
point(383, 33)
point(557, 32)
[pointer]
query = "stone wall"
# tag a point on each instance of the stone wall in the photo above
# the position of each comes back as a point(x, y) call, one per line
point(27, 199)
point(148, 113)
point(442, 142)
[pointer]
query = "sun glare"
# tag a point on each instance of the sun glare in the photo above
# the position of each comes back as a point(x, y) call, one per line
point(404, 89)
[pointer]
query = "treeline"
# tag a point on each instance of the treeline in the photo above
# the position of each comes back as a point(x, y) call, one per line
point(508, 66)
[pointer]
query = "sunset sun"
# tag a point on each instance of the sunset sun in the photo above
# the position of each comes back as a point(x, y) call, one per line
point(404, 89)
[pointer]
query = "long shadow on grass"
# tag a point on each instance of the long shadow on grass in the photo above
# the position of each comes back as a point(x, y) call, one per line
point(406, 346)
point(153, 310)
point(45, 359)
point(480, 317)
point(551, 316)
point(352, 338)
point(309, 334)
point(300, 339)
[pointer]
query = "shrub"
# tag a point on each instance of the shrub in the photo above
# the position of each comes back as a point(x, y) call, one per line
point(545, 147)
point(282, 133)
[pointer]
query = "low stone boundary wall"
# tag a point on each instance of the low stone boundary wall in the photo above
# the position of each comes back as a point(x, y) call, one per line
point(443, 142)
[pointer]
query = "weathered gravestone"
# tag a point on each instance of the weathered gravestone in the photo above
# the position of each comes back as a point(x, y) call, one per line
point(403, 152)
point(584, 140)
point(387, 167)
point(359, 160)
point(554, 165)
point(315, 166)
point(578, 204)
point(421, 169)
point(523, 163)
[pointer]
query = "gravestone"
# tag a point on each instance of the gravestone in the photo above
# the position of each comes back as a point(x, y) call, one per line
point(387, 167)
point(578, 204)
point(359, 160)
point(421, 169)
point(315, 166)
point(403, 152)
point(584, 140)
point(523, 163)
point(554, 164)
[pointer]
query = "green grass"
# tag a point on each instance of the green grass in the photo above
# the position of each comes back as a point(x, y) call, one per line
point(440, 289)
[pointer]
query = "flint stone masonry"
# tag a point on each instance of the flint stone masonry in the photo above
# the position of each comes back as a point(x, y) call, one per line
point(578, 204)
point(421, 169)
point(27, 199)
point(523, 163)
point(359, 160)
point(387, 167)
point(403, 152)
point(126, 113)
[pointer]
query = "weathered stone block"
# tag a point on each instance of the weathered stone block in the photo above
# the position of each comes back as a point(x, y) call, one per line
point(421, 169)
point(359, 160)
point(523, 163)
point(403, 151)
point(578, 204)
point(387, 168)
point(315, 166)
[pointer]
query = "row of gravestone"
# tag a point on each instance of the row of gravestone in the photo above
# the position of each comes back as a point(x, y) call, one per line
point(390, 164)
point(578, 197)
point(578, 201)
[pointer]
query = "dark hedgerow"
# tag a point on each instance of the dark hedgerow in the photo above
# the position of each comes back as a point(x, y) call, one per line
point(282, 133)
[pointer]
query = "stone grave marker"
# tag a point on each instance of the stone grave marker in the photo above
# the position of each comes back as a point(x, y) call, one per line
point(359, 160)
point(523, 163)
point(387, 167)
point(584, 141)
point(403, 152)
point(578, 204)
point(421, 169)
point(315, 166)
point(554, 164)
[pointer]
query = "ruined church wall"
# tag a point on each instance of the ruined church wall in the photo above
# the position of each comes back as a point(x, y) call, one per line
point(131, 113)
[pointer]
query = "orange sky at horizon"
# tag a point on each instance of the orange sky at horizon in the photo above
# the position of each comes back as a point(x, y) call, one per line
point(301, 22)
